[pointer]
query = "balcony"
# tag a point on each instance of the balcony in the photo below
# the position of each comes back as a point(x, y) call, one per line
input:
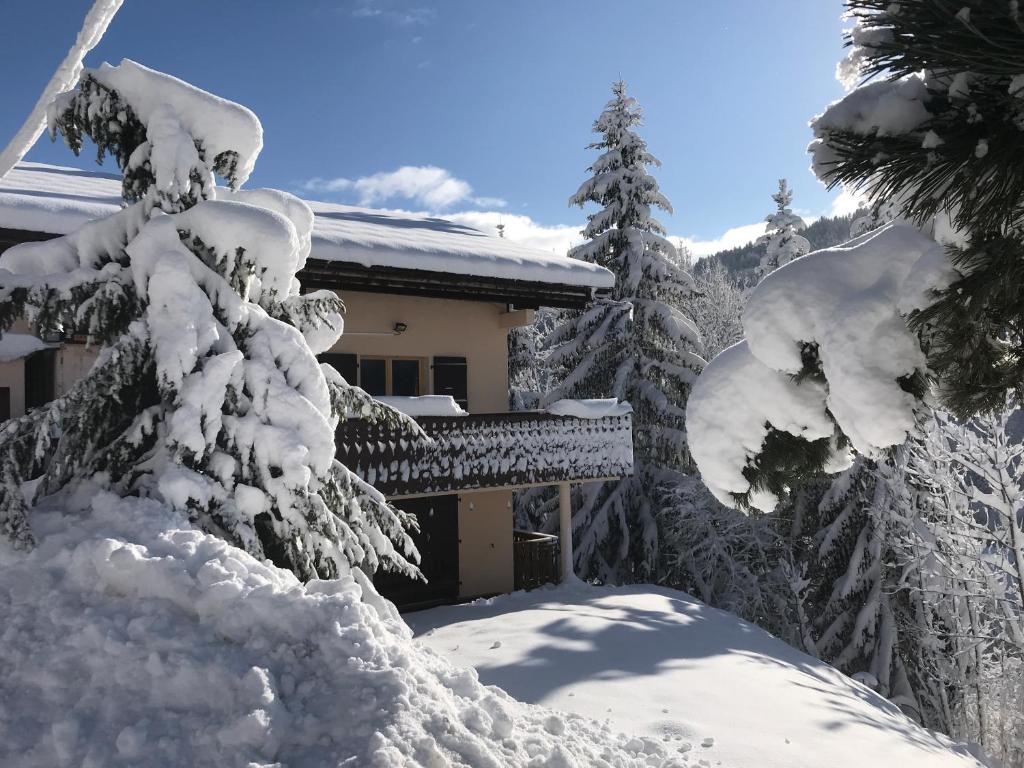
point(487, 451)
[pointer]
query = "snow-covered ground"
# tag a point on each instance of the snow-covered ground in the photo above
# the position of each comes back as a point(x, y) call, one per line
point(127, 638)
point(656, 662)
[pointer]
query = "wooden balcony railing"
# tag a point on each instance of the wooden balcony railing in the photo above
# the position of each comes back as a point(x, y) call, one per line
point(535, 559)
point(487, 451)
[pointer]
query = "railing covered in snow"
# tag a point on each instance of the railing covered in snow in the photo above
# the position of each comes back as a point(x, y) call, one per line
point(487, 451)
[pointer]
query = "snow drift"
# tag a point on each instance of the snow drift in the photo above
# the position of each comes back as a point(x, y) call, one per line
point(658, 663)
point(130, 638)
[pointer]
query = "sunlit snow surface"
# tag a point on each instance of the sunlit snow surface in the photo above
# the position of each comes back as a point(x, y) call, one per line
point(129, 639)
point(657, 662)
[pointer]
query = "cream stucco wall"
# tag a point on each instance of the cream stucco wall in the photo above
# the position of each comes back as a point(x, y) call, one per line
point(73, 362)
point(12, 376)
point(436, 327)
point(485, 543)
point(477, 331)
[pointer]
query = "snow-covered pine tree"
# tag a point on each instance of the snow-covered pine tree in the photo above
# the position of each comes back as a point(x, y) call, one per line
point(730, 560)
point(206, 394)
point(636, 345)
point(911, 583)
point(939, 135)
point(529, 373)
point(782, 241)
point(855, 569)
point(716, 308)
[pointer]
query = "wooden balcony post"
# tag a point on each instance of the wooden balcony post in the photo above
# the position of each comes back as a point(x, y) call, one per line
point(565, 530)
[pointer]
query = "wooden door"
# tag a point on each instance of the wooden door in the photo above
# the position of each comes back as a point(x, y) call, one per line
point(438, 545)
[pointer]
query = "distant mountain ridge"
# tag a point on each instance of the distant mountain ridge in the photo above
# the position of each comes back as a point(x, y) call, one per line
point(740, 263)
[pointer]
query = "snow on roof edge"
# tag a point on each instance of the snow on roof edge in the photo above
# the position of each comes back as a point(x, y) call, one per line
point(40, 197)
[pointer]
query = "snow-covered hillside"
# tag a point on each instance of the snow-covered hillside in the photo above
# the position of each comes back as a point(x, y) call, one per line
point(656, 662)
point(128, 638)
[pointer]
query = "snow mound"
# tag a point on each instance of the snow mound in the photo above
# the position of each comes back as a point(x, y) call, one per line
point(424, 405)
point(129, 638)
point(660, 664)
point(589, 409)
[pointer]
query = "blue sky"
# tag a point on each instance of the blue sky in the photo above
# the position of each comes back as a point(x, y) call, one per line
point(480, 109)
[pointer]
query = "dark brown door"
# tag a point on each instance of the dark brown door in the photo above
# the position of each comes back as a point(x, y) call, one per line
point(40, 378)
point(438, 544)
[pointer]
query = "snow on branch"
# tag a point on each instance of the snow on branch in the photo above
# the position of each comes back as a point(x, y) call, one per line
point(828, 358)
point(93, 28)
point(207, 394)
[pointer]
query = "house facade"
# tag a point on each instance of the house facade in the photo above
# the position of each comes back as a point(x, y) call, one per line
point(429, 304)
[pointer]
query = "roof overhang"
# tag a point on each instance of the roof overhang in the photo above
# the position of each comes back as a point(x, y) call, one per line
point(526, 294)
point(350, 276)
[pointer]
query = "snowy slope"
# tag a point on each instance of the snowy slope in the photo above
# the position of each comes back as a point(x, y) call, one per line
point(47, 198)
point(129, 639)
point(657, 662)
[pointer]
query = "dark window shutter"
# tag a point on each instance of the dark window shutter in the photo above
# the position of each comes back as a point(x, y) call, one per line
point(451, 378)
point(5, 403)
point(343, 363)
point(40, 378)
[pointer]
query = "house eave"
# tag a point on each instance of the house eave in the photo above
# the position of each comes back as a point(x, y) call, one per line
point(525, 294)
point(351, 276)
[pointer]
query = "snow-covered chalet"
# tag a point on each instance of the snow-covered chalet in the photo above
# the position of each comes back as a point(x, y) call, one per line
point(429, 306)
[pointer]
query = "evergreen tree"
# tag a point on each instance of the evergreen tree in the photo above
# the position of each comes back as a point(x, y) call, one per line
point(944, 147)
point(206, 393)
point(855, 571)
point(716, 309)
point(529, 372)
point(635, 345)
point(782, 241)
point(730, 560)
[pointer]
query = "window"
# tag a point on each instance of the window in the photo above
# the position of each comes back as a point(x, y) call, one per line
point(450, 378)
point(373, 375)
point(405, 378)
point(344, 364)
point(399, 377)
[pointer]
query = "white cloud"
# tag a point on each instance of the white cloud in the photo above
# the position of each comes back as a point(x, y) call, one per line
point(847, 202)
point(559, 238)
point(522, 229)
point(429, 186)
point(371, 9)
point(731, 238)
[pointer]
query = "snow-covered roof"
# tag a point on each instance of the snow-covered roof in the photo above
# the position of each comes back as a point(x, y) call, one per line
point(57, 200)
point(14, 346)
